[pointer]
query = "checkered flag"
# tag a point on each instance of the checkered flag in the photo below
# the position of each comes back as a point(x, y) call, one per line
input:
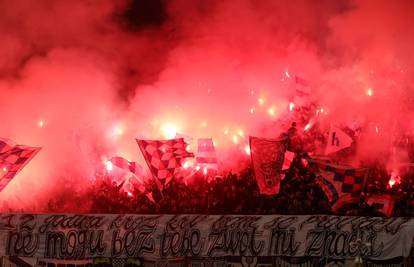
point(13, 158)
point(6, 145)
point(134, 262)
point(382, 203)
point(164, 157)
point(341, 184)
point(118, 262)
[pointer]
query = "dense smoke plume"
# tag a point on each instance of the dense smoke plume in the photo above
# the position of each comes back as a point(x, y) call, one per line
point(83, 79)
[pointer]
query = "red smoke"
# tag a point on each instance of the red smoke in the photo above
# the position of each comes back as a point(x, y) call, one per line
point(221, 69)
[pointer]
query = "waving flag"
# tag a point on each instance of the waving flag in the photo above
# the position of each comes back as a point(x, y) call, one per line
point(337, 140)
point(127, 172)
point(267, 158)
point(6, 145)
point(341, 184)
point(187, 138)
point(206, 154)
point(382, 203)
point(164, 157)
point(302, 86)
point(13, 158)
point(289, 156)
point(124, 164)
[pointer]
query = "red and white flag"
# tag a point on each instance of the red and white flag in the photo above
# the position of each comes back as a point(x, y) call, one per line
point(187, 138)
point(206, 154)
point(289, 156)
point(267, 159)
point(126, 165)
point(129, 173)
point(6, 145)
point(302, 86)
point(124, 171)
point(164, 157)
point(337, 140)
point(13, 158)
point(382, 203)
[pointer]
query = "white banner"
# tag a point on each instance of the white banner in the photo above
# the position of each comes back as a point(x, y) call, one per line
point(170, 236)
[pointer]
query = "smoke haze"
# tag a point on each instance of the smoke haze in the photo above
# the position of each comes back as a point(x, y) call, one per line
point(83, 79)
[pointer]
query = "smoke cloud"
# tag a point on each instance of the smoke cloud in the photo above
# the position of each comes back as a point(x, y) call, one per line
point(83, 79)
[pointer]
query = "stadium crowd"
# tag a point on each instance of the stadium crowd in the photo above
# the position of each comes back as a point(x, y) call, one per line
point(234, 194)
point(238, 193)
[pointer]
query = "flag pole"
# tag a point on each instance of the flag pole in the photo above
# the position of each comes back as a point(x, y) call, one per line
point(366, 176)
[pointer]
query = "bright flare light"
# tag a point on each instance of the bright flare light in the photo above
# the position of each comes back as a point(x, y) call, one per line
point(169, 130)
point(287, 74)
point(4, 169)
point(188, 163)
point(240, 133)
point(251, 110)
point(261, 101)
point(226, 132)
point(118, 131)
point(394, 179)
point(369, 92)
point(235, 139)
point(247, 149)
point(108, 165)
point(271, 111)
point(41, 123)
point(307, 127)
point(204, 124)
point(323, 111)
point(291, 106)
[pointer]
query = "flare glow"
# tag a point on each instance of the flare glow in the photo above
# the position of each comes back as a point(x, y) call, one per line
point(225, 66)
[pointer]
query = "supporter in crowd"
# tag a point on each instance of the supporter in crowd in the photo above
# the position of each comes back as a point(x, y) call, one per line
point(233, 193)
